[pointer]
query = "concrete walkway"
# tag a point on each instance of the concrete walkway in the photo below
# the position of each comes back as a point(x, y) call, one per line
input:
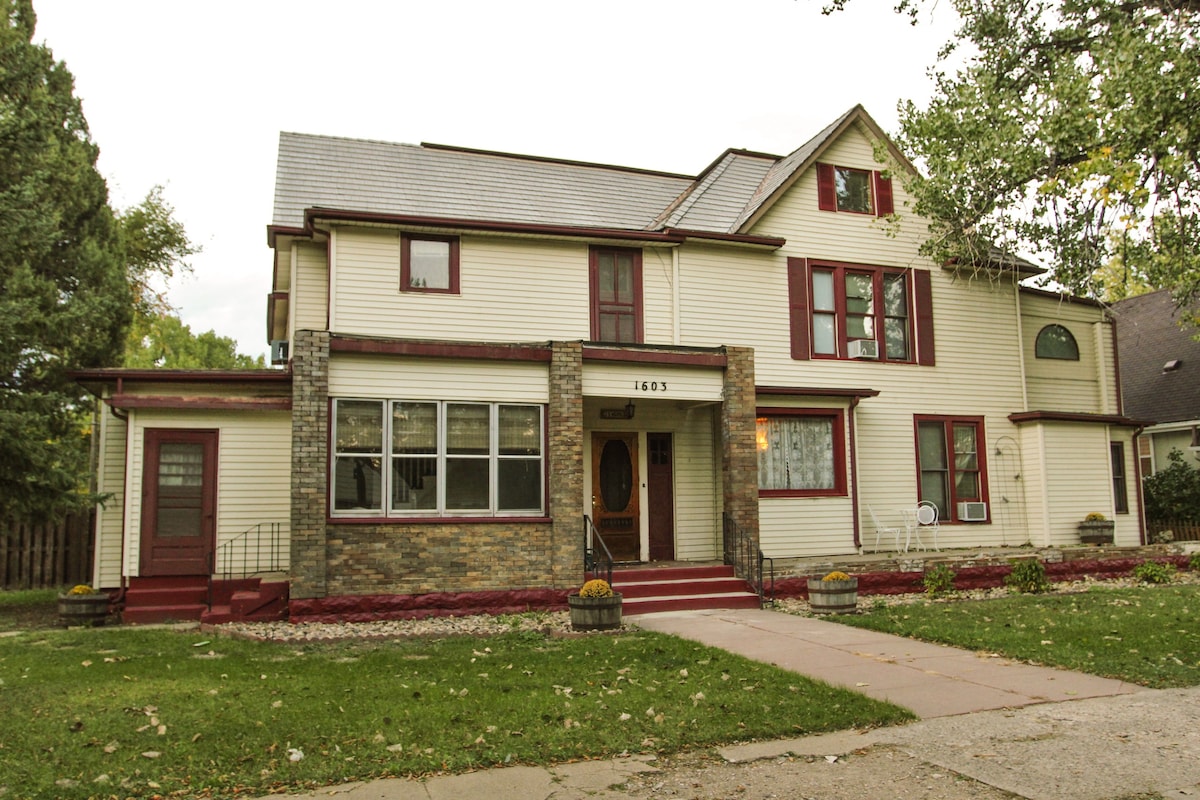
point(1000, 722)
point(931, 680)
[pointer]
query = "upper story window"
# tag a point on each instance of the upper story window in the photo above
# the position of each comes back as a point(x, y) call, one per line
point(858, 191)
point(428, 263)
point(615, 277)
point(801, 452)
point(835, 305)
point(1055, 341)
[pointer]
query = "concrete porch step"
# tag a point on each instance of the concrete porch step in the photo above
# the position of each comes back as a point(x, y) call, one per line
point(694, 602)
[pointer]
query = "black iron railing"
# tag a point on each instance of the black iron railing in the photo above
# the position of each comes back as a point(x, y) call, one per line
point(748, 562)
point(597, 560)
point(258, 549)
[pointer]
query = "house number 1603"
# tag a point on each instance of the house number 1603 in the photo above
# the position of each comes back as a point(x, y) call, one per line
point(649, 386)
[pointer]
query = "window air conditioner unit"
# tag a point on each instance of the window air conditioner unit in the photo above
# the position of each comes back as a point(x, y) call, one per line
point(279, 351)
point(972, 512)
point(864, 348)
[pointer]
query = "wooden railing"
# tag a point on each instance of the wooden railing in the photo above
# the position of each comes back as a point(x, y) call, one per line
point(1181, 530)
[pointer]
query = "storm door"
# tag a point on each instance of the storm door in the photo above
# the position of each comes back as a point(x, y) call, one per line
point(615, 493)
point(179, 502)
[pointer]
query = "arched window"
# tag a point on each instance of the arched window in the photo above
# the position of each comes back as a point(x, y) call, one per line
point(1055, 341)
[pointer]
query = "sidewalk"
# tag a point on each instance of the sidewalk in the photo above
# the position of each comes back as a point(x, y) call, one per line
point(930, 679)
point(999, 722)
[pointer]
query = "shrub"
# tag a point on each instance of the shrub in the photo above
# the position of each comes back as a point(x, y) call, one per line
point(596, 588)
point(1154, 572)
point(1194, 561)
point(938, 579)
point(1173, 492)
point(1028, 576)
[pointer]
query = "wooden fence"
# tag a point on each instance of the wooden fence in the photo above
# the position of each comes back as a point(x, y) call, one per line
point(47, 556)
point(1182, 531)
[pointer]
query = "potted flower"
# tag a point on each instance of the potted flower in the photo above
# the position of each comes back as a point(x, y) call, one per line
point(1096, 529)
point(595, 607)
point(82, 605)
point(835, 593)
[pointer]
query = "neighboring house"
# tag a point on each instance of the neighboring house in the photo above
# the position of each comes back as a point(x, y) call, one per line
point(483, 350)
point(1160, 377)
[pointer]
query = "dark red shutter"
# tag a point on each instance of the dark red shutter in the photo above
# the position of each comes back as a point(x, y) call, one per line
point(883, 195)
point(798, 307)
point(826, 193)
point(923, 295)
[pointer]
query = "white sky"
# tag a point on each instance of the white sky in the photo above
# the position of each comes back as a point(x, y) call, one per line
point(193, 95)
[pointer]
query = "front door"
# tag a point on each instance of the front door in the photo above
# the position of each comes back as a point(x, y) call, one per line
point(660, 496)
point(615, 493)
point(179, 502)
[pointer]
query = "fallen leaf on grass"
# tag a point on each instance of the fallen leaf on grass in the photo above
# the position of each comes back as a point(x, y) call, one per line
point(151, 754)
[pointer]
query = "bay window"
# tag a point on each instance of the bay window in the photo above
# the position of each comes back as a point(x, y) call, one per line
point(442, 459)
point(801, 452)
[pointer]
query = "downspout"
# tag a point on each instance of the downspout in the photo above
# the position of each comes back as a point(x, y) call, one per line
point(854, 475)
point(675, 326)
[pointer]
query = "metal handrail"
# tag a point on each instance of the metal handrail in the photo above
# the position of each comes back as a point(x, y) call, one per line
point(748, 561)
point(267, 554)
point(596, 555)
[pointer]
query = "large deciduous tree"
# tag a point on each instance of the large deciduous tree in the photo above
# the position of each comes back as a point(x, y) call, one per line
point(1069, 131)
point(65, 301)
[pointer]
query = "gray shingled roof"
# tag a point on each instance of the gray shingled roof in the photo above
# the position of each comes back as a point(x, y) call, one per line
point(430, 181)
point(1149, 336)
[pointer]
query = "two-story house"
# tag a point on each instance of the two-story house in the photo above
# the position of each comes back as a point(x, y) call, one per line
point(488, 353)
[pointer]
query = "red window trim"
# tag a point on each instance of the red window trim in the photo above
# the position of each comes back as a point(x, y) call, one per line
point(882, 203)
point(406, 240)
point(594, 290)
point(839, 270)
point(839, 450)
point(948, 421)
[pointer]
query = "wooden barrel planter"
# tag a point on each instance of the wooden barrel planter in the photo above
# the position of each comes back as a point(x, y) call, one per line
point(594, 613)
point(83, 609)
point(833, 597)
point(1099, 531)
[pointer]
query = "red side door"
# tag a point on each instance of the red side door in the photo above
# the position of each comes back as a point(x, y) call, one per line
point(179, 502)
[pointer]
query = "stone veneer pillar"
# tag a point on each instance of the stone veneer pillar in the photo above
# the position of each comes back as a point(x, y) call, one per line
point(739, 454)
point(310, 459)
point(565, 463)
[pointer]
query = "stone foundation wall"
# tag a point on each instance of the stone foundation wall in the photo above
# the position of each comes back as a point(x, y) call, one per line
point(452, 557)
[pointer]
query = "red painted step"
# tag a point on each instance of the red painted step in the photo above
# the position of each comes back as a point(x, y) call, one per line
point(681, 589)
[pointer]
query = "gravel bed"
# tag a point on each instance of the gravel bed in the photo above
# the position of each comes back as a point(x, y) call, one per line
point(558, 623)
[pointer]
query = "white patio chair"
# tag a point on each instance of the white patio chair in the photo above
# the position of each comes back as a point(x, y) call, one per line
point(881, 530)
point(927, 519)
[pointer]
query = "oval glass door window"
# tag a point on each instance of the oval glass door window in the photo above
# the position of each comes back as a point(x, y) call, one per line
point(616, 476)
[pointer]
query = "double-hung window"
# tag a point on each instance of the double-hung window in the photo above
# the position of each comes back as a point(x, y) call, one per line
point(405, 458)
point(1116, 452)
point(801, 452)
point(951, 462)
point(835, 304)
point(616, 292)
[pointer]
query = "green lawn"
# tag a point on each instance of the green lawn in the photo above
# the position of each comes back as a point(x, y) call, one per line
point(136, 713)
point(1148, 635)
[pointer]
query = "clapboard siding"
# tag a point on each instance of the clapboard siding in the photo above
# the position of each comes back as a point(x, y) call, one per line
point(253, 470)
point(1086, 385)
point(1078, 478)
point(110, 480)
point(309, 296)
point(397, 378)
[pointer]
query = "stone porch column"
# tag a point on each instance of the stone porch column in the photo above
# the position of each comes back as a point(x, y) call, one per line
point(565, 463)
point(739, 456)
point(310, 459)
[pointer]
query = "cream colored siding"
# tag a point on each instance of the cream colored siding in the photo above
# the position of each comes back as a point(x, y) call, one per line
point(695, 468)
point(1128, 529)
point(1166, 441)
point(438, 379)
point(1059, 385)
point(253, 470)
point(650, 382)
point(510, 290)
point(110, 480)
point(658, 318)
point(1079, 479)
point(310, 293)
